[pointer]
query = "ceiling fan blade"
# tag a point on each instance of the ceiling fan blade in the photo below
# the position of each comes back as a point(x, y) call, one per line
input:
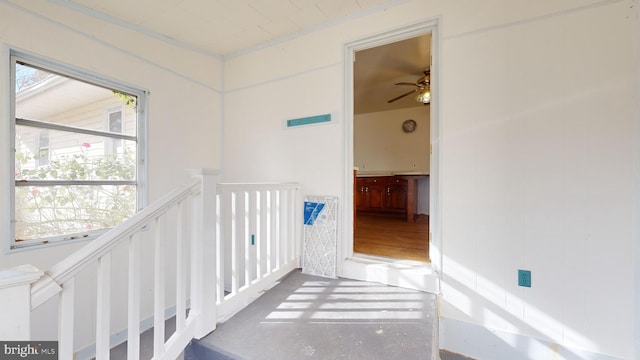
point(407, 83)
point(403, 95)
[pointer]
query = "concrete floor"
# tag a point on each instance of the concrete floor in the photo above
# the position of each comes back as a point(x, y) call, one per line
point(310, 317)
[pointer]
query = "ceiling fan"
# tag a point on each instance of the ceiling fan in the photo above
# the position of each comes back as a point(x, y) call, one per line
point(423, 88)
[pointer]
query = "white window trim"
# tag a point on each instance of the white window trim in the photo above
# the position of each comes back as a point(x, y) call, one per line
point(7, 122)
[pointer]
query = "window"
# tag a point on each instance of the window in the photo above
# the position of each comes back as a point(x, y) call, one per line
point(74, 177)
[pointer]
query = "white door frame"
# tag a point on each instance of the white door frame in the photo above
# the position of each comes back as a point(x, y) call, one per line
point(398, 273)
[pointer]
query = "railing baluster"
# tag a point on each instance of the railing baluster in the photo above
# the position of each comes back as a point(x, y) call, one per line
point(227, 239)
point(276, 237)
point(103, 308)
point(196, 248)
point(220, 249)
point(159, 287)
point(66, 319)
point(273, 231)
point(297, 217)
point(235, 278)
point(133, 301)
point(260, 218)
point(269, 231)
point(246, 238)
point(291, 224)
point(240, 238)
point(196, 263)
point(181, 273)
point(284, 233)
point(252, 267)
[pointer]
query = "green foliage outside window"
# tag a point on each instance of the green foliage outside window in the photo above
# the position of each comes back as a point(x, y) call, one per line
point(46, 211)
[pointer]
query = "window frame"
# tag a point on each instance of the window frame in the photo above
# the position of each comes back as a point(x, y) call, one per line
point(14, 56)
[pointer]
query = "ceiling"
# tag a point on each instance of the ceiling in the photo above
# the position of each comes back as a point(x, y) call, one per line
point(224, 27)
point(377, 70)
point(228, 27)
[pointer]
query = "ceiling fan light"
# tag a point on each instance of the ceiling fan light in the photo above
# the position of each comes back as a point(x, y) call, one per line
point(424, 96)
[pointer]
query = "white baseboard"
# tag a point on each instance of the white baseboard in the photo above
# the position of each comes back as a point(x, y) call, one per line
point(481, 343)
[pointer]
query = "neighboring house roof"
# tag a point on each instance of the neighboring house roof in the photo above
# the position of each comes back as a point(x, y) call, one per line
point(57, 94)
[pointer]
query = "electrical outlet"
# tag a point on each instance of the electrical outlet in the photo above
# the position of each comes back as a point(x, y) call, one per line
point(524, 278)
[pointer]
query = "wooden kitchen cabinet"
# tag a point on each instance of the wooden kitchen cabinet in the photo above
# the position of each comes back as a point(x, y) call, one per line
point(396, 195)
point(370, 193)
point(383, 194)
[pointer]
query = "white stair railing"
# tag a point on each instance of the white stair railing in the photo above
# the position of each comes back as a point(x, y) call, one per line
point(259, 240)
point(232, 241)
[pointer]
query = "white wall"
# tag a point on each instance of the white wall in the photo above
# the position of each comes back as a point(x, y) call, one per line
point(538, 152)
point(184, 119)
point(258, 147)
point(537, 149)
point(381, 145)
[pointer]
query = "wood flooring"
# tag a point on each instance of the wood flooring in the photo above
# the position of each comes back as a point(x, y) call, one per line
point(392, 237)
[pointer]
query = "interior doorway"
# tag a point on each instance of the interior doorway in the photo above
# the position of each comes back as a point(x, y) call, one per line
point(418, 275)
point(391, 138)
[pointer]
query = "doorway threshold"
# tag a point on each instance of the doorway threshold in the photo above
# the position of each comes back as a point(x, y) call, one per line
point(385, 259)
point(402, 273)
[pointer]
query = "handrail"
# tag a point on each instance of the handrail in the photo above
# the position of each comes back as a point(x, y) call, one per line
point(50, 284)
point(265, 185)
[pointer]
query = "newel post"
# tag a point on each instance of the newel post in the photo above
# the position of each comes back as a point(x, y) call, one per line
point(15, 301)
point(203, 252)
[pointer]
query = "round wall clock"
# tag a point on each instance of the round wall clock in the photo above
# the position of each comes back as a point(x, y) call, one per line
point(409, 126)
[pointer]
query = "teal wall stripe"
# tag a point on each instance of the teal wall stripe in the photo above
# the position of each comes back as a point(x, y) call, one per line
point(309, 120)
